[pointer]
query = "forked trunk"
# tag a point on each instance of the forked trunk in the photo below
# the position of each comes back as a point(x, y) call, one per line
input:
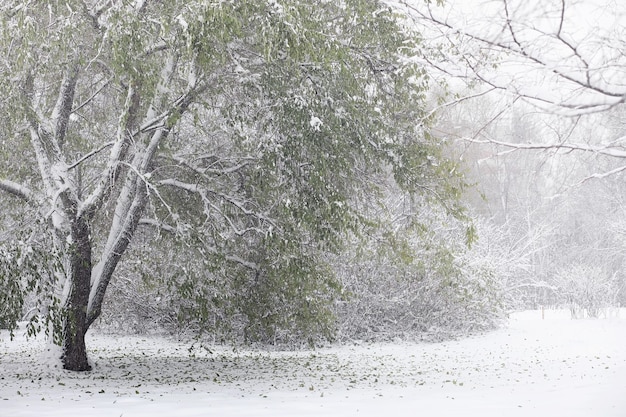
point(75, 324)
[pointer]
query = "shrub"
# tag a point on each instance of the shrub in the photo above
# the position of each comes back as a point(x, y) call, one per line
point(587, 289)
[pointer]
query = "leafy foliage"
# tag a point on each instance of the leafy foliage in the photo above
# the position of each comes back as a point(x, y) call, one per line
point(26, 270)
point(247, 136)
point(418, 278)
point(12, 298)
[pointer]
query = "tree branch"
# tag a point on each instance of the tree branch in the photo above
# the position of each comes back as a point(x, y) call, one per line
point(63, 108)
point(90, 98)
point(17, 190)
point(600, 150)
point(214, 251)
point(118, 152)
point(134, 194)
point(89, 155)
point(159, 225)
point(582, 79)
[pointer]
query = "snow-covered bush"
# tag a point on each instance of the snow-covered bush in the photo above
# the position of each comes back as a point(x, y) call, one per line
point(587, 289)
point(417, 301)
point(410, 283)
point(411, 275)
point(416, 282)
point(167, 285)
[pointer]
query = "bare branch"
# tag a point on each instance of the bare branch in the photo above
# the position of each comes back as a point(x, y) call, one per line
point(94, 95)
point(598, 176)
point(89, 155)
point(456, 101)
point(582, 79)
point(600, 150)
point(562, 19)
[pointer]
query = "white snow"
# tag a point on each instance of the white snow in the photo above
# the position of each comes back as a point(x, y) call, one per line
point(532, 367)
point(315, 123)
point(182, 22)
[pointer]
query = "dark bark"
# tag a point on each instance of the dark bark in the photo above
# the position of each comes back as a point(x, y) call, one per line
point(75, 324)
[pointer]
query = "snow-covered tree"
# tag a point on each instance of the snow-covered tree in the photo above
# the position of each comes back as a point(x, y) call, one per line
point(244, 129)
point(565, 56)
point(587, 290)
point(546, 208)
point(554, 71)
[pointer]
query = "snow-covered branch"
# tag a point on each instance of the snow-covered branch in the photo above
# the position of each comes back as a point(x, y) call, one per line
point(238, 260)
point(158, 225)
point(195, 188)
point(502, 49)
point(217, 165)
point(117, 154)
point(120, 235)
point(240, 206)
point(211, 249)
point(597, 176)
point(92, 96)
point(17, 190)
point(565, 146)
point(63, 108)
point(192, 188)
point(134, 193)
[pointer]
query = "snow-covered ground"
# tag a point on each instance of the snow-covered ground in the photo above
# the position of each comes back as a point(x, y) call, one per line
point(532, 367)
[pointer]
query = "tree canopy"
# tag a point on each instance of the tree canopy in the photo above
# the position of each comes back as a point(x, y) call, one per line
point(251, 134)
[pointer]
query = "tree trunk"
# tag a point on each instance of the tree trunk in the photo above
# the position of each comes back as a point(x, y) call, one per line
point(75, 324)
point(74, 350)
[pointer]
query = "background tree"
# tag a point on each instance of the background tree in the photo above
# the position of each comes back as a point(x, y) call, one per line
point(551, 212)
point(543, 77)
point(565, 56)
point(245, 130)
